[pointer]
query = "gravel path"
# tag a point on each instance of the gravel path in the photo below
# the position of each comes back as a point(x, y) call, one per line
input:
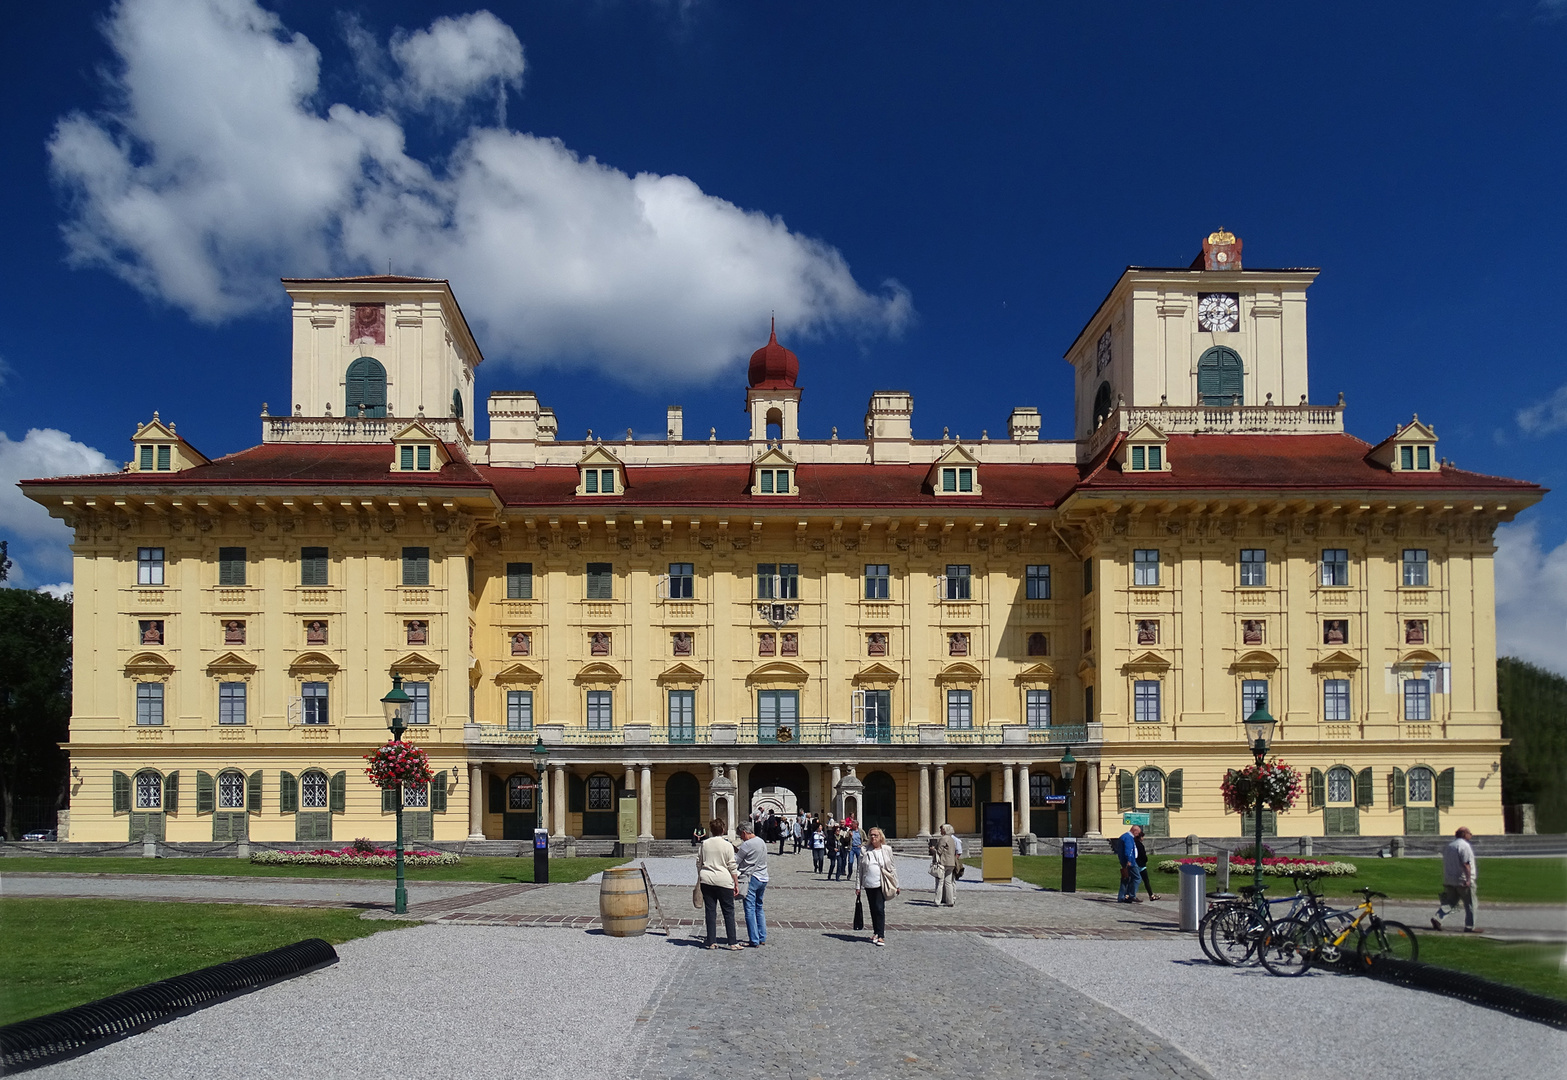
point(433, 1002)
point(1322, 1024)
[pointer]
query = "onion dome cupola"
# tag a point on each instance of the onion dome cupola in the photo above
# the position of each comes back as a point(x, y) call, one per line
point(772, 398)
point(773, 367)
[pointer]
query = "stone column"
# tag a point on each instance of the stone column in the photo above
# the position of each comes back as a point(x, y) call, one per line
point(924, 800)
point(645, 802)
point(735, 809)
point(1090, 773)
point(1009, 794)
point(1025, 817)
point(558, 814)
point(631, 778)
point(475, 801)
point(941, 795)
point(834, 808)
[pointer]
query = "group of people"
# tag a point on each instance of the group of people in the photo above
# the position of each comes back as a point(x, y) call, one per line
point(1134, 866)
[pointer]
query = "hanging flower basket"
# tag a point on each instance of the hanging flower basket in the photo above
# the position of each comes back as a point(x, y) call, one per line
point(398, 763)
point(1280, 785)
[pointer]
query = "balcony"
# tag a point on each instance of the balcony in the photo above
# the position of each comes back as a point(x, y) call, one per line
point(355, 429)
point(810, 731)
point(1266, 419)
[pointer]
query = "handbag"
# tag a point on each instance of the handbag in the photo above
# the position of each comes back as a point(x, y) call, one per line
point(934, 870)
point(859, 912)
point(696, 895)
point(889, 879)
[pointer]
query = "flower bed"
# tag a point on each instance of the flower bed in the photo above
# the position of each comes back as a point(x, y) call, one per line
point(352, 857)
point(1275, 867)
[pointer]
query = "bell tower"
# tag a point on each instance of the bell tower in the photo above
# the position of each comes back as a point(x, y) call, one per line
point(772, 398)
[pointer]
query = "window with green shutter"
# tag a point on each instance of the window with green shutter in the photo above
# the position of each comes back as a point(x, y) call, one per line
point(288, 793)
point(1445, 783)
point(406, 454)
point(365, 387)
point(418, 827)
point(1364, 781)
point(601, 581)
point(438, 792)
point(1341, 821)
point(424, 458)
point(497, 795)
point(171, 793)
point(1221, 378)
point(122, 793)
point(146, 458)
point(1174, 790)
point(1316, 789)
point(1422, 821)
point(389, 800)
point(1270, 824)
point(1397, 789)
point(231, 566)
point(1158, 824)
point(165, 462)
point(313, 566)
point(416, 566)
point(313, 828)
point(519, 581)
point(144, 822)
point(1125, 790)
point(253, 792)
point(229, 826)
point(206, 793)
point(339, 793)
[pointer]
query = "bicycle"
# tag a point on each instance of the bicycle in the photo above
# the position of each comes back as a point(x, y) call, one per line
point(1235, 927)
point(1318, 935)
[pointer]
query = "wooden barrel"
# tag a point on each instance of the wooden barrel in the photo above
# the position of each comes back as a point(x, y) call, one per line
point(623, 902)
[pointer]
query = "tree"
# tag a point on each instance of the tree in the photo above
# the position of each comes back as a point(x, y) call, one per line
point(5, 563)
point(1533, 703)
point(35, 699)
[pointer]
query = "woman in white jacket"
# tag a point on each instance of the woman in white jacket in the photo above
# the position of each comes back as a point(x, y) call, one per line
point(878, 882)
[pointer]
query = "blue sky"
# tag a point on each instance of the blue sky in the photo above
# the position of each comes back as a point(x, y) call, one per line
point(932, 197)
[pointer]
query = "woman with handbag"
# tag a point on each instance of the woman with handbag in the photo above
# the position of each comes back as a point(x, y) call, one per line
point(718, 882)
point(878, 882)
point(949, 862)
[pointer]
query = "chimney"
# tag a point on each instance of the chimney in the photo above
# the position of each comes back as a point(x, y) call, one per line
point(1023, 424)
point(889, 425)
point(674, 428)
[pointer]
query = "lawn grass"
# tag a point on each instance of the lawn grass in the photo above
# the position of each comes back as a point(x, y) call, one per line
point(60, 953)
point(485, 869)
point(1526, 965)
point(1515, 881)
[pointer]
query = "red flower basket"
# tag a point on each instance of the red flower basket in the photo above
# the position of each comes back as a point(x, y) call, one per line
point(398, 763)
point(1281, 786)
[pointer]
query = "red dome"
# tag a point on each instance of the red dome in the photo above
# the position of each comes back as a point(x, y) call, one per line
point(773, 366)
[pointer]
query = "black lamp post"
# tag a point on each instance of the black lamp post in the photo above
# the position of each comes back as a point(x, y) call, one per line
point(1068, 771)
point(541, 856)
point(1259, 732)
point(395, 705)
point(1068, 844)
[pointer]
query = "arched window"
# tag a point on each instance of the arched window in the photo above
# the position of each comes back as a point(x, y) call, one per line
point(1422, 786)
point(1341, 786)
point(149, 790)
point(1104, 402)
point(519, 792)
point(1221, 377)
point(313, 791)
point(416, 795)
point(231, 791)
point(366, 386)
point(960, 788)
point(1150, 787)
point(457, 404)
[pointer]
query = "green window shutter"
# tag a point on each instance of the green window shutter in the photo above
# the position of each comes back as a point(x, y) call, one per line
point(1158, 823)
point(1174, 791)
point(424, 457)
point(576, 794)
point(1445, 783)
point(438, 792)
point(389, 800)
point(253, 792)
point(205, 793)
point(1363, 789)
point(338, 793)
point(288, 794)
point(497, 795)
point(1341, 821)
point(1270, 824)
point(231, 566)
point(1316, 789)
point(407, 455)
point(419, 826)
point(1422, 820)
point(1397, 787)
point(222, 828)
point(1125, 790)
point(171, 793)
point(122, 793)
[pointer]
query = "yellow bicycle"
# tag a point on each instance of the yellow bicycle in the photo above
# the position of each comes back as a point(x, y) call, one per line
point(1320, 935)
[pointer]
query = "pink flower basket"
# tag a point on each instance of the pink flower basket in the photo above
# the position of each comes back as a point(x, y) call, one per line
point(398, 763)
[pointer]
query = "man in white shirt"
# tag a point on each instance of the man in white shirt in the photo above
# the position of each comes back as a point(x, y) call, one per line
point(751, 861)
point(1458, 882)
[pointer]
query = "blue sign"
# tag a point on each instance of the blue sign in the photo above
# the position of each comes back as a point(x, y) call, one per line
point(1055, 800)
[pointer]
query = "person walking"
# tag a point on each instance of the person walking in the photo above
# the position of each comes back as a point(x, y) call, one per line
point(830, 850)
point(781, 827)
point(843, 853)
point(719, 877)
point(1459, 874)
point(856, 839)
point(818, 847)
point(878, 883)
point(1126, 852)
point(947, 860)
point(1142, 866)
point(796, 831)
point(751, 861)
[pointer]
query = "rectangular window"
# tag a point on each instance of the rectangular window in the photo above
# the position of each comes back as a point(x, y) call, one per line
point(1138, 459)
point(778, 581)
point(314, 701)
point(878, 715)
point(767, 481)
point(1335, 566)
point(878, 581)
point(1423, 456)
point(1036, 708)
point(1335, 701)
point(1088, 576)
point(958, 583)
point(149, 704)
point(419, 698)
point(682, 581)
point(1156, 458)
point(777, 714)
point(1088, 704)
point(601, 710)
point(1417, 699)
point(519, 581)
point(231, 566)
point(313, 566)
point(960, 790)
point(416, 566)
point(960, 710)
point(590, 481)
point(231, 703)
point(1145, 566)
point(1417, 569)
point(519, 710)
point(1145, 701)
point(601, 581)
point(965, 479)
point(164, 463)
point(1406, 457)
point(682, 715)
point(149, 566)
point(424, 458)
point(1037, 583)
point(607, 481)
point(1254, 567)
point(601, 792)
point(406, 457)
point(949, 479)
point(1254, 696)
point(783, 481)
point(146, 458)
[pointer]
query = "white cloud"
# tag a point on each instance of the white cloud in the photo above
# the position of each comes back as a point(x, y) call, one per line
point(215, 173)
point(37, 540)
point(1549, 415)
point(60, 590)
point(1531, 597)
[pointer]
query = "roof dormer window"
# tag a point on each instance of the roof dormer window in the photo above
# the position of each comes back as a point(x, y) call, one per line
point(600, 473)
point(957, 479)
point(773, 474)
point(1145, 449)
point(1147, 458)
point(1411, 448)
point(773, 481)
point(158, 448)
point(955, 472)
point(598, 481)
point(417, 449)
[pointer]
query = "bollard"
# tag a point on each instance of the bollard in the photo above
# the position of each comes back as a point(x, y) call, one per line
point(1189, 901)
point(1398, 847)
point(1193, 844)
point(1222, 865)
point(571, 847)
point(242, 850)
point(541, 857)
point(1069, 866)
point(149, 846)
point(1305, 847)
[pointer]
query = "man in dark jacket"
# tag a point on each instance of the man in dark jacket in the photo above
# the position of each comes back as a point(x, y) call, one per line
point(1126, 852)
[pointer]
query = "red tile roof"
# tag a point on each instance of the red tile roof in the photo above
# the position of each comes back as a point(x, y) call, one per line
point(305, 464)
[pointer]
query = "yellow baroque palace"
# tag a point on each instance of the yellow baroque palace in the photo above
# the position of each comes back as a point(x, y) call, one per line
point(899, 628)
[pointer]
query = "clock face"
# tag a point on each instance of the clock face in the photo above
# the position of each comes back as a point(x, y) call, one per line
point(1104, 352)
point(1219, 312)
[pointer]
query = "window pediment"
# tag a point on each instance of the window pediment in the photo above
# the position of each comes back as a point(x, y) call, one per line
point(1337, 661)
point(417, 449)
point(778, 671)
point(1419, 657)
point(312, 663)
point(598, 673)
point(959, 673)
point(954, 474)
point(518, 673)
point(1036, 674)
point(876, 675)
point(157, 448)
point(231, 663)
point(1412, 448)
point(680, 676)
point(773, 473)
point(148, 665)
point(1256, 660)
point(1148, 661)
point(415, 664)
point(1144, 449)
point(600, 473)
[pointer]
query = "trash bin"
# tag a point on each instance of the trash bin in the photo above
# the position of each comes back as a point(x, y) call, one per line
point(1188, 902)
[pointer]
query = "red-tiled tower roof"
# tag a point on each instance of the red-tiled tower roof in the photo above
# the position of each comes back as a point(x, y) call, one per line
point(773, 367)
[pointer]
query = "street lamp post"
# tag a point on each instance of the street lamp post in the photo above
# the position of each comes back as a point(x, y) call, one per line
point(395, 706)
point(1259, 732)
point(541, 855)
point(1069, 844)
